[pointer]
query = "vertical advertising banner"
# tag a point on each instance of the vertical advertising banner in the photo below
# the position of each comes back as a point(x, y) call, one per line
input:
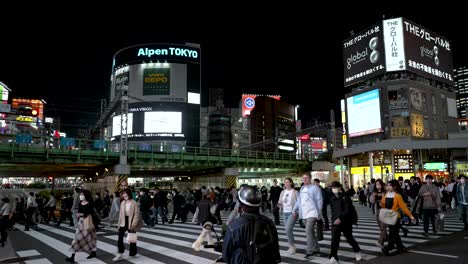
point(156, 81)
point(394, 45)
point(121, 80)
point(417, 125)
point(363, 55)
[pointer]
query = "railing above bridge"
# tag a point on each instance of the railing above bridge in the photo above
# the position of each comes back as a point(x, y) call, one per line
point(82, 149)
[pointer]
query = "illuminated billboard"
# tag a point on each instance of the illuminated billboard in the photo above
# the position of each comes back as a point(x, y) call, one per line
point(116, 125)
point(4, 92)
point(363, 112)
point(363, 55)
point(397, 44)
point(163, 122)
point(33, 104)
point(248, 102)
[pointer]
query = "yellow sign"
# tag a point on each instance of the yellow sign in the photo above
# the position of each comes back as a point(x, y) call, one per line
point(462, 167)
point(345, 141)
point(377, 170)
point(25, 119)
point(397, 132)
point(417, 125)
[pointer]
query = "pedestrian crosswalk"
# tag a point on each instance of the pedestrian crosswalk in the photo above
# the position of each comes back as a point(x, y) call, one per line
point(171, 243)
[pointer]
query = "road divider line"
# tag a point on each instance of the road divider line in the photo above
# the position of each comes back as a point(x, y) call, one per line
point(432, 254)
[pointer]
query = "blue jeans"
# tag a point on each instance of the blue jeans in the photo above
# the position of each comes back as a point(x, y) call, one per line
point(463, 210)
point(158, 211)
point(289, 221)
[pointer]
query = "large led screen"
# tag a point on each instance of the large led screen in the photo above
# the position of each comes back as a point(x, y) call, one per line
point(163, 122)
point(116, 125)
point(363, 112)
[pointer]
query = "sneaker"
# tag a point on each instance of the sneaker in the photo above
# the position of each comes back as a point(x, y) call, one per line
point(291, 250)
point(118, 257)
point(435, 233)
point(425, 234)
point(333, 261)
point(358, 256)
point(196, 247)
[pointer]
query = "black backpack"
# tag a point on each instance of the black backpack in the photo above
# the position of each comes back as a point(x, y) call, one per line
point(264, 247)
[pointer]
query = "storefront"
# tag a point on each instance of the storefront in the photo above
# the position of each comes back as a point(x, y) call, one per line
point(460, 167)
point(361, 175)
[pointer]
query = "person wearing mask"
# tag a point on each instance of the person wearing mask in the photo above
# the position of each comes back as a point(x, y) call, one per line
point(431, 202)
point(275, 192)
point(376, 199)
point(31, 207)
point(129, 221)
point(309, 208)
point(178, 202)
point(251, 238)
point(76, 205)
point(115, 209)
point(392, 200)
point(326, 202)
point(6, 218)
point(462, 198)
point(286, 202)
point(159, 200)
point(205, 219)
point(85, 237)
point(343, 217)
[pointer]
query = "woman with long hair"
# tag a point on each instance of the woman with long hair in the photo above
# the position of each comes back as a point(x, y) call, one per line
point(376, 199)
point(286, 202)
point(85, 236)
point(392, 200)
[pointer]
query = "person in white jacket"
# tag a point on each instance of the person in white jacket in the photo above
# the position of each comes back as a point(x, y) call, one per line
point(286, 202)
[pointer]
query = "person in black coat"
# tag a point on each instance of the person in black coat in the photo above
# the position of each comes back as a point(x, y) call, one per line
point(326, 201)
point(343, 217)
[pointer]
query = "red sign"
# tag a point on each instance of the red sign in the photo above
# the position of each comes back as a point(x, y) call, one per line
point(248, 102)
point(305, 137)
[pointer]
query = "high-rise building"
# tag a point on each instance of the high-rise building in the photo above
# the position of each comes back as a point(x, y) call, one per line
point(461, 85)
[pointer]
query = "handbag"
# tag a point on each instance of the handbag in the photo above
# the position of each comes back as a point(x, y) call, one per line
point(388, 216)
point(88, 223)
point(132, 237)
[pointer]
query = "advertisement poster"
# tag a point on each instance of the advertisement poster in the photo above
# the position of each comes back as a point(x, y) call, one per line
point(363, 55)
point(363, 112)
point(417, 125)
point(418, 100)
point(156, 81)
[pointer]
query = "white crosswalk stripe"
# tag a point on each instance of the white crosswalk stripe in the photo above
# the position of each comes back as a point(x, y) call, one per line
point(171, 243)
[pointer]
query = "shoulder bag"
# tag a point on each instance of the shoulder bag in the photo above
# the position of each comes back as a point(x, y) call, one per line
point(388, 216)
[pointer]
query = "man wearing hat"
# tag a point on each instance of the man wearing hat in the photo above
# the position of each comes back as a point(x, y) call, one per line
point(251, 238)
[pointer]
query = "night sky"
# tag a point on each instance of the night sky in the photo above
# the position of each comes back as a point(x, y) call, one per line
point(66, 57)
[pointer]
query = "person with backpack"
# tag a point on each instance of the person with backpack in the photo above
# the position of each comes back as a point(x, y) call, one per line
point(309, 208)
point(344, 215)
point(251, 238)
